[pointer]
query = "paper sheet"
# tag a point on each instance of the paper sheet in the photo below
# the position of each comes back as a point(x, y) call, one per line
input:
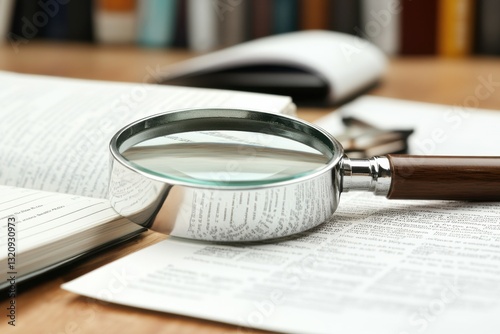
point(377, 266)
point(439, 129)
point(55, 132)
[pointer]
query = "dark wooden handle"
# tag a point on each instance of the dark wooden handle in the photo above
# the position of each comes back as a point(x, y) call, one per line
point(444, 177)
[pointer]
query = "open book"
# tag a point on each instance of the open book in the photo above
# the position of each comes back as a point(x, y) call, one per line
point(312, 66)
point(377, 266)
point(54, 161)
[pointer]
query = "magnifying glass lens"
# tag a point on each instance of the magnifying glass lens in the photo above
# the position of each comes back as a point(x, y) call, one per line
point(225, 157)
point(224, 174)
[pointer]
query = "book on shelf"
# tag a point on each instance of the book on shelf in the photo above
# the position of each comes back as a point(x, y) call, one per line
point(381, 24)
point(487, 27)
point(345, 16)
point(314, 14)
point(455, 27)
point(56, 26)
point(115, 21)
point(398, 27)
point(260, 16)
point(6, 10)
point(418, 27)
point(49, 19)
point(202, 25)
point(180, 28)
point(22, 26)
point(54, 166)
point(80, 23)
point(232, 21)
point(156, 22)
point(285, 16)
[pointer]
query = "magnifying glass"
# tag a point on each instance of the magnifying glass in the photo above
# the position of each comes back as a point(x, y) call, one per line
point(241, 175)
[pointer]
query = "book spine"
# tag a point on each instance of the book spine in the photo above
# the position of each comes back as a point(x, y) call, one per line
point(6, 14)
point(487, 39)
point(418, 27)
point(314, 14)
point(232, 21)
point(80, 20)
point(346, 16)
point(202, 25)
point(180, 26)
point(156, 22)
point(285, 16)
point(28, 21)
point(57, 27)
point(260, 18)
point(115, 21)
point(380, 22)
point(455, 24)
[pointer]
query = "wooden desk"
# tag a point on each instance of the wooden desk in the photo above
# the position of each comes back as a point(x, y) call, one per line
point(45, 308)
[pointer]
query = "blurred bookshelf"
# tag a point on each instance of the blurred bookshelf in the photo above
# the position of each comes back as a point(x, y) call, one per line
point(449, 28)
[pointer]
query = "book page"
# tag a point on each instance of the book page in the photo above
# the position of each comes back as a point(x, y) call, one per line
point(42, 229)
point(55, 132)
point(377, 266)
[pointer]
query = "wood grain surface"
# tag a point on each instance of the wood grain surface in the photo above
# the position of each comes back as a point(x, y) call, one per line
point(45, 308)
point(444, 177)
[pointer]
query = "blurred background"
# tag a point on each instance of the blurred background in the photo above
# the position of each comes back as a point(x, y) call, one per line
point(450, 28)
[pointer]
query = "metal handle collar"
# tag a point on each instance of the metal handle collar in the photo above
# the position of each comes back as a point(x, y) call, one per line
point(372, 174)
